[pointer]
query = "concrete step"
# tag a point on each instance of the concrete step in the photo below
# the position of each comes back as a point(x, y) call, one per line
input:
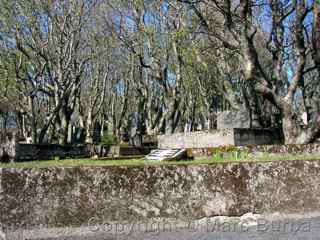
point(166, 154)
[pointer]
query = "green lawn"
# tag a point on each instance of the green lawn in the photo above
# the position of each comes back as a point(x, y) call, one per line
point(141, 162)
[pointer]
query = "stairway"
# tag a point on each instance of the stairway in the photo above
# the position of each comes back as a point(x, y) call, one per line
point(166, 154)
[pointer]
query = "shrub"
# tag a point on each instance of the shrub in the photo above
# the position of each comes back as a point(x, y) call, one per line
point(109, 139)
point(229, 153)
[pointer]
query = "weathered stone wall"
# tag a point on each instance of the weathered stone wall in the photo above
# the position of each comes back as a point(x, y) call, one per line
point(12, 150)
point(24, 152)
point(49, 151)
point(216, 138)
point(79, 196)
point(201, 139)
point(245, 137)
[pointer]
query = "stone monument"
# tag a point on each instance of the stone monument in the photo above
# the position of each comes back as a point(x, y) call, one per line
point(230, 120)
point(233, 129)
point(135, 138)
point(7, 146)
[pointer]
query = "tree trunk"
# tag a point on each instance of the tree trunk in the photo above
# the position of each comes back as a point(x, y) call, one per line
point(289, 126)
point(63, 139)
point(89, 123)
point(295, 134)
point(33, 120)
point(171, 119)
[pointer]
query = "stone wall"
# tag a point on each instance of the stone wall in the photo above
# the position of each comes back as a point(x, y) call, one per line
point(255, 136)
point(201, 139)
point(216, 138)
point(49, 151)
point(12, 151)
point(61, 197)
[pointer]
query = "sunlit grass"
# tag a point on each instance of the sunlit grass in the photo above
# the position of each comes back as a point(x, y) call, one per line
point(141, 162)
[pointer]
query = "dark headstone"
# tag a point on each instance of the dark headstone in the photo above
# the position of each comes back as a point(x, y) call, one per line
point(79, 135)
point(230, 120)
point(136, 128)
point(96, 135)
point(7, 146)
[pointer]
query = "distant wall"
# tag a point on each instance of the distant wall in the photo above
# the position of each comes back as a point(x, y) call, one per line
point(49, 151)
point(255, 136)
point(10, 150)
point(216, 138)
point(57, 197)
point(200, 139)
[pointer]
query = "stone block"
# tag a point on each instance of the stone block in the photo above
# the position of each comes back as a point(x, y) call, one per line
point(229, 119)
point(200, 139)
point(217, 138)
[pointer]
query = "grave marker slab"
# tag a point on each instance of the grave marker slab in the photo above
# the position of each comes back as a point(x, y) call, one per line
point(230, 119)
point(166, 154)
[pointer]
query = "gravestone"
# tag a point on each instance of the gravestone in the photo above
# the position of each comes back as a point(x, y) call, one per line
point(304, 118)
point(79, 135)
point(230, 119)
point(135, 138)
point(7, 146)
point(96, 134)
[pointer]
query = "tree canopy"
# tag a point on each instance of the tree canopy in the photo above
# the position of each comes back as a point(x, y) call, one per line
point(66, 66)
